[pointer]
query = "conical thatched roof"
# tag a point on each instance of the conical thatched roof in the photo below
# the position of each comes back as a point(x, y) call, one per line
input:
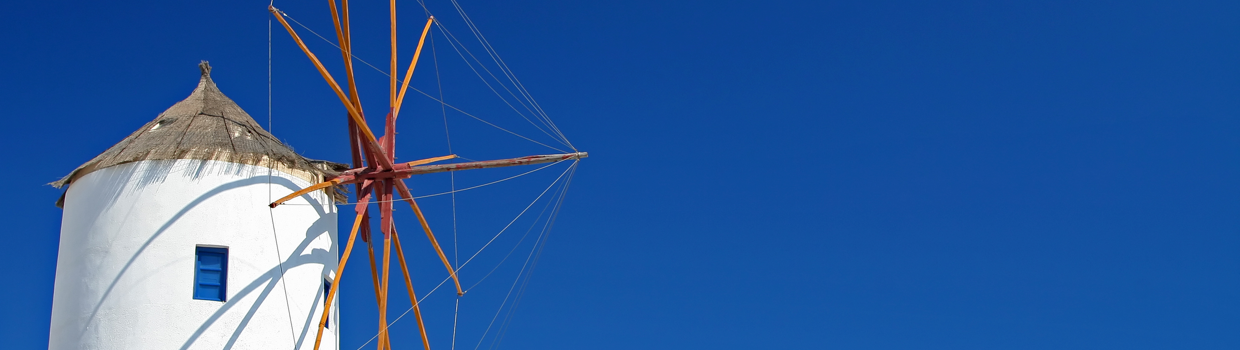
point(206, 125)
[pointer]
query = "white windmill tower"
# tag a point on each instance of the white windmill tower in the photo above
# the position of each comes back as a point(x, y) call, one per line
point(167, 239)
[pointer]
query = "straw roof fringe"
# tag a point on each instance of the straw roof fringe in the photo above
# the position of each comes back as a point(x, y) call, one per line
point(209, 126)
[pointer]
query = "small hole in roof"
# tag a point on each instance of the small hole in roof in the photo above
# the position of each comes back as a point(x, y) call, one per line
point(160, 123)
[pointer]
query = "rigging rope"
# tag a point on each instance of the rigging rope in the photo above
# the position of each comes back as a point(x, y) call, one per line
point(441, 283)
point(526, 100)
point(454, 318)
point(488, 84)
point(538, 243)
point(288, 309)
point(546, 120)
point(453, 191)
point(501, 305)
point(502, 85)
point(456, 255)
point(422, 92)
point(547, 226)
point(514, 247)
point(557, 179)
point(507, 71)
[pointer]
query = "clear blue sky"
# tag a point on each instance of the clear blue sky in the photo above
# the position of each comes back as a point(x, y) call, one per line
point(835, 175)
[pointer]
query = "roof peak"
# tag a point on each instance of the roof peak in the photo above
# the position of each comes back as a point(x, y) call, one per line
point(206, 69)
point(207, 125)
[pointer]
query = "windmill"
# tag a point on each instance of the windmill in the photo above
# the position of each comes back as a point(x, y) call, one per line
point(165, 243)
point(376, 176)
point(163, 238)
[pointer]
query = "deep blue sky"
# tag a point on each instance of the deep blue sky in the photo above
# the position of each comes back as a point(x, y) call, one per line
point(865, 175)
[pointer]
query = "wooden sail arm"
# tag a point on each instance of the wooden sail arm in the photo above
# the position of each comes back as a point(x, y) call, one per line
point(413, 298)
point(430, 160)
point(344, 259)
point(398, 99)
point(349, 178)
point(392, 76)
point(312, 188)
point(405, 170)
point(371, 143)
point(430, 169)
point(387, 273)
point(408, 197)
point(346, 49)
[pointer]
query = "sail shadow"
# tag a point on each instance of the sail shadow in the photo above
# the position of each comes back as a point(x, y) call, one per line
point(270, 278)
point(279, 181)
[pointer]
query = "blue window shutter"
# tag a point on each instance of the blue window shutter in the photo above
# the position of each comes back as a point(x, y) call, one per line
point(327, 287)
point(211, 273)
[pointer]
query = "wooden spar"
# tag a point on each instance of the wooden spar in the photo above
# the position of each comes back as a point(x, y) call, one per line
point(344, 259)
point(369, 148)
point(392, 77)
point(385, 206)
point(370, 141)
point(406, 196)
point(405, 170)
point(385, 341)
point(400, 98)
point(314, 59)
point(368, 237)
point(370, 250)
point(413, 298)
point(344, 38)
point(384, 190)
point(306, 190)
point(430, 169)
point(346, 50)
point(377, 176)
point(347, 46)
point(431, 160)
point(337, 181)
point(374, 272)
point(388, 141)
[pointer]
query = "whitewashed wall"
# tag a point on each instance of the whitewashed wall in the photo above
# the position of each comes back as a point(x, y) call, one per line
point(125, 271)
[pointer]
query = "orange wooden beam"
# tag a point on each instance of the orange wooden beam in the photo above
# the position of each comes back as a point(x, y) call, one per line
point(374, 273)
point(345, 40)
point(439, 168)
point(346, 50)
point(413, 64)
point(348, 45)
point(370, 141)
point(392, 77)
point(385, 341)
point(306, 190)
point(413, 298)
point(430, 160)
point(345, 37)
point(344, 259)
point(408, 197)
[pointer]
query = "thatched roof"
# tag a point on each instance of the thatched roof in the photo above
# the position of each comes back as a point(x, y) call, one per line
point(207, 125)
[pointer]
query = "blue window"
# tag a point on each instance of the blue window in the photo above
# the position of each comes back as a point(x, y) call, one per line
point(211, 273)
point(327, 287)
